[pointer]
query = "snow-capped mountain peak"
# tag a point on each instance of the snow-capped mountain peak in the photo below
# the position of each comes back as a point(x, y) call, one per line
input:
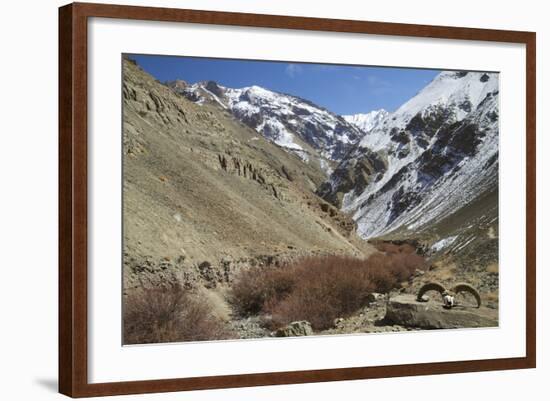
point(461, 90)
point(298, 125)
point(367, 121)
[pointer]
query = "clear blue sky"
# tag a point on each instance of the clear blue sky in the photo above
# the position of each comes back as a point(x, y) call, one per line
point(339, 88)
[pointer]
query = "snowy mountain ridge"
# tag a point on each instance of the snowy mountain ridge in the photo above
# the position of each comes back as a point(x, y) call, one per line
point(433, 155)
point(298, 125)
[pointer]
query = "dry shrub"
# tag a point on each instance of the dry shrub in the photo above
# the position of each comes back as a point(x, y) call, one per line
point(325, 288)
point(256, 287)
point(391, 248)
point(169, 314)
point(390, 269)
point(319, 289)
point(407, 248)
point(387, 247)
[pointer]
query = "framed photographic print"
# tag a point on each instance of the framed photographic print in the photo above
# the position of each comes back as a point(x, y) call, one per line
point(252, 199)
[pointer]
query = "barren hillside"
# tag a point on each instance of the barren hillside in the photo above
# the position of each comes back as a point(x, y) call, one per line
point(203, 191)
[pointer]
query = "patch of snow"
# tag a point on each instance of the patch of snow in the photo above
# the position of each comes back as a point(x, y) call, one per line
point(325, 166)
point(442, 244)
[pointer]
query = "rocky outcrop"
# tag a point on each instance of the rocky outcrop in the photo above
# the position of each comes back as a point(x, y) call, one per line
point(150, 272)
point(295, 329)
point(248, 170)
point(405, 310)
point(353, 174)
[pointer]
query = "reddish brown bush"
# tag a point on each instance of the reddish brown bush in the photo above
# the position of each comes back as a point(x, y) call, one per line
point(391, 269)
point(257, 287)
point(325, 288)
point(319, 289)
point(169, 314)
point(407, 248)
point(387, 247)
point(391, 248)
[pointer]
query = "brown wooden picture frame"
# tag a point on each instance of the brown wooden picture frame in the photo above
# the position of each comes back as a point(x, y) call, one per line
point(73, 200)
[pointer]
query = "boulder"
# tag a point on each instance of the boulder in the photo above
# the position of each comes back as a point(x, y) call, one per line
point(405, 310)
point(375, 297)
point(295, 329)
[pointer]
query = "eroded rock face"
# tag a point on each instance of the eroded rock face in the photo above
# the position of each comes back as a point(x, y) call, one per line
point(295, 329)
point(406, 311)
point(353, 175)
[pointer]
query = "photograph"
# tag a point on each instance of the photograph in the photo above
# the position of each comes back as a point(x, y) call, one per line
point(265, 201)
point(284, 199)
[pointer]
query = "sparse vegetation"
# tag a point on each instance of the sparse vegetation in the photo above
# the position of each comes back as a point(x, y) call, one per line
point(258, 287)
point(319, 289)
point(169, 314)
point(391, 248)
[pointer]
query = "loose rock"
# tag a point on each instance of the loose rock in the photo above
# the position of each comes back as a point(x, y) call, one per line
point(295, 329)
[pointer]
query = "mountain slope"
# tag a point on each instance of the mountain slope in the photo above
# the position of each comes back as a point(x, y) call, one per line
point(203, 189)
point(297, 125)
point(424, 162)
